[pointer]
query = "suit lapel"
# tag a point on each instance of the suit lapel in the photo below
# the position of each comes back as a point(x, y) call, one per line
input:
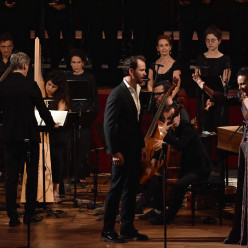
point(129, 98)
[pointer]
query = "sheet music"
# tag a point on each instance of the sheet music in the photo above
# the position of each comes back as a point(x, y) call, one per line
point(58, 117)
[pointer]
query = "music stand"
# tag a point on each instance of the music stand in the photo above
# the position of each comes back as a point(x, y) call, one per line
point(59, 117)
point(79, 93)
point(79, 90)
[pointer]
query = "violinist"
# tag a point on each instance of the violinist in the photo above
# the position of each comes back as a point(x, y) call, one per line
point(195, 162)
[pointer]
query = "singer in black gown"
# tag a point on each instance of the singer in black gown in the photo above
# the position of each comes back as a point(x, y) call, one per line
point(165, 67)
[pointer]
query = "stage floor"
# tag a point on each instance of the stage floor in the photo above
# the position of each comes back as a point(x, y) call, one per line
point(81, 227)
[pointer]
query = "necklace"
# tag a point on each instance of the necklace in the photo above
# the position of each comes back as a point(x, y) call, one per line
point(164, 61)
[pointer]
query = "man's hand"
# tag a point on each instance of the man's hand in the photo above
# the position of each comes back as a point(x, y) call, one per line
point(118, 159)
point(158, 144)
point(56, 125)
point(165, 128)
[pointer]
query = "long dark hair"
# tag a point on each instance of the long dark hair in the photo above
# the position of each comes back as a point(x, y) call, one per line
point(58, 78)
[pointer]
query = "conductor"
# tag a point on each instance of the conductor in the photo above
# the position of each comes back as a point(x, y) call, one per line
point(18, 98)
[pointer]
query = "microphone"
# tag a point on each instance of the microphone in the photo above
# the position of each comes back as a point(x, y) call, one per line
point(158, 65)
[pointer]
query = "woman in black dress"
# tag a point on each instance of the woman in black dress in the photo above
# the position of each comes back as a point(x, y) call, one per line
point(169, 67)
point(90, 106)
point(56, 90)
point(214, 68)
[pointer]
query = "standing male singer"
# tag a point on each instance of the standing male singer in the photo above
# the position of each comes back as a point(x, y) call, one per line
point(124, 142)
point(18, 98)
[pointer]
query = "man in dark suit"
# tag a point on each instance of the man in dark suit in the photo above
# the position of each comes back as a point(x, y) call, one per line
point(124, 142)
point(18, 98)
point(195, 162)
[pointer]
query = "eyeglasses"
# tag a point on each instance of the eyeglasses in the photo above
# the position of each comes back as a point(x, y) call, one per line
point(158, 93)
point(211, 40)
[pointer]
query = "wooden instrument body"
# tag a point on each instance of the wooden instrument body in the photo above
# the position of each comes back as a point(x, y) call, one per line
point(173, 168)
point(173, 157)
point(153, 134)
point(148, 170)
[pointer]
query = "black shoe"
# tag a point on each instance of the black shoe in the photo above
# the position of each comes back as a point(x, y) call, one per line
point(14, 222)
point(135, 235)
point(111, 236)
point(149, 214)
point(157, 219)
point(229, 240)
point(34, 218)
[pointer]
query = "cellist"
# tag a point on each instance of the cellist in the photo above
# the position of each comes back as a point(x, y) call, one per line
point(153, 189)
point(195, 162)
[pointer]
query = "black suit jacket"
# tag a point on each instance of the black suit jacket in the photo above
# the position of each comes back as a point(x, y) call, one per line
point(121, 126)
point(194, 156)
point(18, 98)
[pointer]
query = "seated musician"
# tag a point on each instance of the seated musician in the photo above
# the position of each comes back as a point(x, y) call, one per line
point(56, 89)
point(195, 162)
point(149, 193)
point(6, 49)
point(77, 59)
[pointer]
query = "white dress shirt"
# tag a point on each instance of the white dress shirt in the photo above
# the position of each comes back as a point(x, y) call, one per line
point(135, 95)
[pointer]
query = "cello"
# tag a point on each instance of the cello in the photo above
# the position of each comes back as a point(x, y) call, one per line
point(153, 134)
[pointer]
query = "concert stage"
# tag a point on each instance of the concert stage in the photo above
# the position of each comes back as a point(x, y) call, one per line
point(82, 228)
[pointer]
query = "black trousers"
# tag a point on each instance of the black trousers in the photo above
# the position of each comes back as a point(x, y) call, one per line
point(14, 157)
point(58, 151)
point(177, 193)
point(123, 187)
